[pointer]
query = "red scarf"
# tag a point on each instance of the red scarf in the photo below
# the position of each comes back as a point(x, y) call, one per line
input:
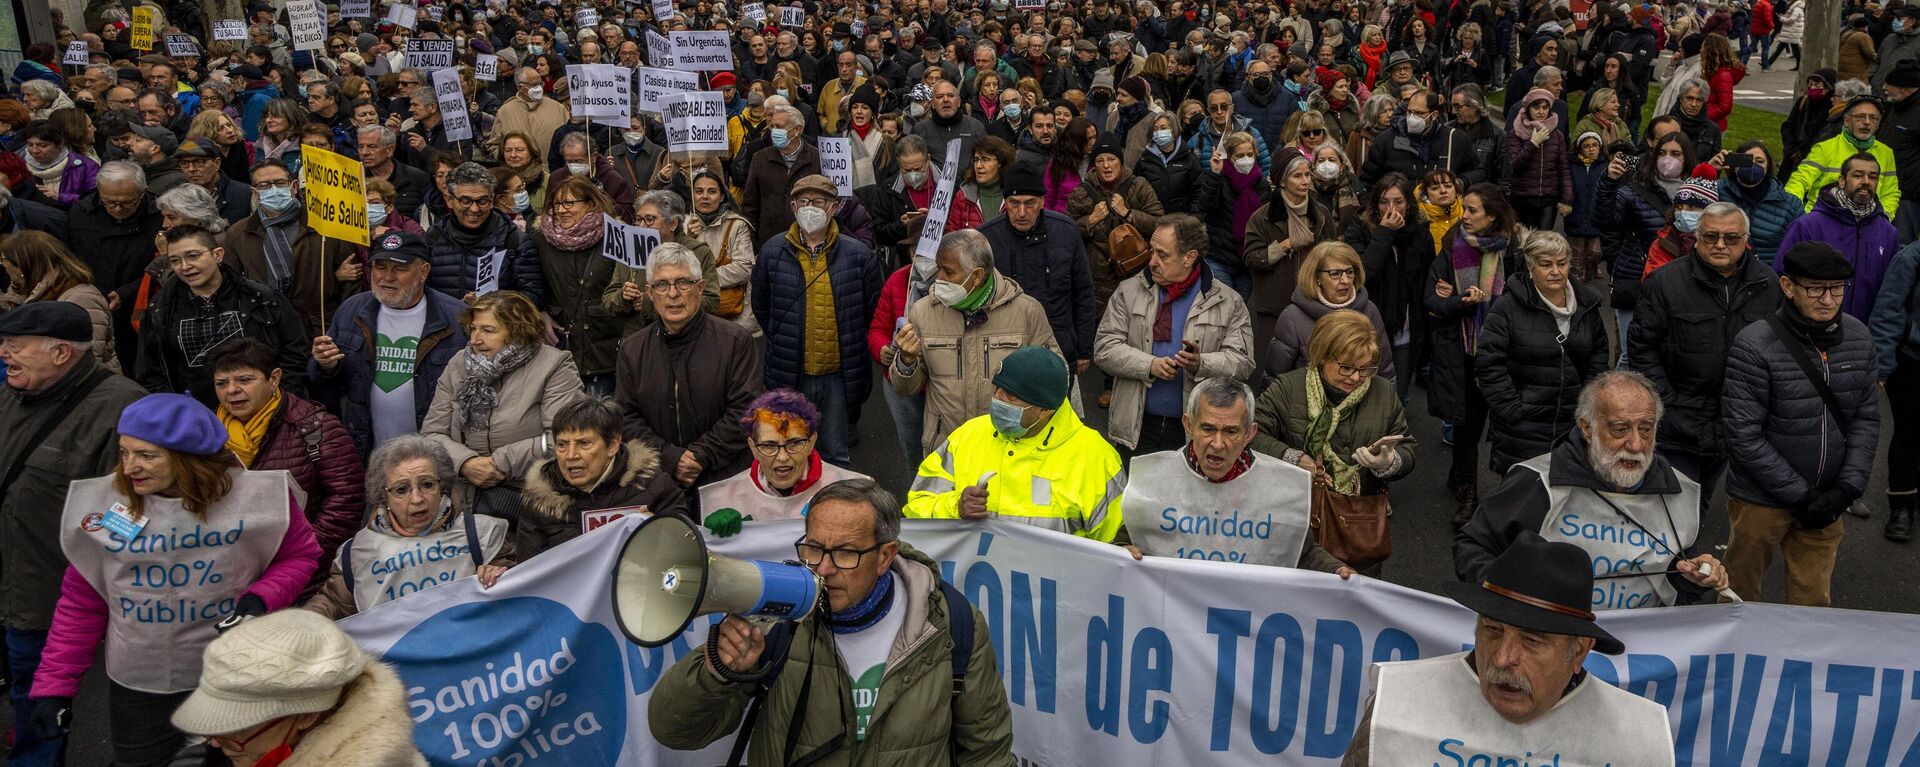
point(807, 480)
point(1239, 467)
point(862, 130)
point(1371, 55)
point(1163, 321)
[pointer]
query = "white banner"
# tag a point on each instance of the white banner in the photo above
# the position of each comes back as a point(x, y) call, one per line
point(600, 90)
point(434, 12)
point(696, 121)
point(429, 55)
point(793, 17)
point(836, 162)
point(486, 67)
point(659, 50)
point(356, 9)
point(76, 54)
point(404, 14)
point(935, 224)
point(1109, 661)
point(453, 105)
point(628, 245)
point(663, 11)
point(701, 51)
point(586, 16)
point(486, 276)
point(308, 24)
point(181, 46)
point(229, 29)
point(755, 11)
point(656, 82)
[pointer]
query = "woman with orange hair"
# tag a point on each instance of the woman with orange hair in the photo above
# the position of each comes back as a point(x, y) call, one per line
point(780, 428)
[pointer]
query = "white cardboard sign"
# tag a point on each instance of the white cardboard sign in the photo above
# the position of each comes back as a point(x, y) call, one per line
point(627, 244)
point(429, 55)
point(696, 121)
point(936, 223)
point(701, 51)
point(308, 25)
point(656, 83)
point(229, 29)
point(76, 55)
point(486, 67)
point(453, 104)
point(836, 162)
point(600, 90)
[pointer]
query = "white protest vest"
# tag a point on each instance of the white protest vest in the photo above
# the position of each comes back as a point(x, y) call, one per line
point(740, 493)
point(1431, 712)
point(381, 567)
point(1260, 517)
point(167, 587)
point(1658, 529)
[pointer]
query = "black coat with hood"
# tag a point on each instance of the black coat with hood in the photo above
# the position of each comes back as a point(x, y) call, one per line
point(1530, 373)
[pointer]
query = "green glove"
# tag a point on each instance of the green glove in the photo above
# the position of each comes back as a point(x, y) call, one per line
point(726, 522)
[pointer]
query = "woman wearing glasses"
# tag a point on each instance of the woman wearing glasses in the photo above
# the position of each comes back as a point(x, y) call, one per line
point(780, 428)
point(410, 483)
point(497, 399)
point(1542, 342)
point(1331, 278)
point(1336, 417)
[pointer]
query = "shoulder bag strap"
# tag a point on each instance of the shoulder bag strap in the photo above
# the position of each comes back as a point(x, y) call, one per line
point(473, 541)
point(52, 422)
point(1818, 379)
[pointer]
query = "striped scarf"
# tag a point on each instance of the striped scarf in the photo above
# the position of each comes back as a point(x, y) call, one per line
point(281, 231)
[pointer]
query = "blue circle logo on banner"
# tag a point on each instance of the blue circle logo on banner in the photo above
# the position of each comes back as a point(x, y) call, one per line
point(515, 681)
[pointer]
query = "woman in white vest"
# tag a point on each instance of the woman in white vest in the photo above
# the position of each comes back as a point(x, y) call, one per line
point(178, 541)
point(781, 427)
point(416, 537)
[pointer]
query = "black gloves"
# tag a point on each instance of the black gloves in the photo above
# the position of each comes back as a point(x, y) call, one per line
point(1821, 509)
point(249, 605)
point(51, 717)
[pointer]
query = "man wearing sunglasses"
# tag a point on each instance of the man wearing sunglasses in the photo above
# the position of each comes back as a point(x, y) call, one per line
point(1802, 416)
point(868, 642)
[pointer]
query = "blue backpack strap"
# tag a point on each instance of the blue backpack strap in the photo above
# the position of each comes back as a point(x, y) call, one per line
point(960, 625)
point(346, 563)
point(473, 541)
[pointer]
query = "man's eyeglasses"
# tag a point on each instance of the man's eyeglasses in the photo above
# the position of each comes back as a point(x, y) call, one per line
point(1721, 238)
point(1822, 291)
point(813, 202)
point(1219, 107)
point(793, 447)
point(471, 203)
point(672, 287)
point(812, 554)
point(285, 183)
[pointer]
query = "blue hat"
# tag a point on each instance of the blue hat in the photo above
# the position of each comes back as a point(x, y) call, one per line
point(176, 422)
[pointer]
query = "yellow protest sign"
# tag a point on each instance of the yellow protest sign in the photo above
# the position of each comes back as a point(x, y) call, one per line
point(336, 194)
point(142, 28)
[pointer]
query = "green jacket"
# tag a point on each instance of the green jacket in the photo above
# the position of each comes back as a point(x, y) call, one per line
point(1282, 415)
point(915, 722)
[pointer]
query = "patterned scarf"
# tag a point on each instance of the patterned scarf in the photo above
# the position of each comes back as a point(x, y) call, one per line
point(1169, 295)
point(589, 230)
point(862, 616)
point(1322, 421)
point(480, 390)
point(281, 231)
point(1844, 202)
point(1478, 261)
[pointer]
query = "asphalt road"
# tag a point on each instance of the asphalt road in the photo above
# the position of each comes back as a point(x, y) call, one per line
point(1873, 574)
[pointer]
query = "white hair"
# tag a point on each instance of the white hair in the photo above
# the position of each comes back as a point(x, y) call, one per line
point(673, 254)
point(120, 172)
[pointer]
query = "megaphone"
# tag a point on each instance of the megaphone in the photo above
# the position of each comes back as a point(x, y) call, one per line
point(665, 578)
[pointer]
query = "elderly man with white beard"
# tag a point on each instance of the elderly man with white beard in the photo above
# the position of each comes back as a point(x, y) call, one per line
point(1605, 490)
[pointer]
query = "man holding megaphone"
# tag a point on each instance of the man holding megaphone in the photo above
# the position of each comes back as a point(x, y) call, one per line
point(886, 612)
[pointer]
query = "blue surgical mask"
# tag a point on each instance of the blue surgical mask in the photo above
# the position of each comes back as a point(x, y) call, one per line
point(303, 90)
point(1008, 419)
point(376, 214)
point(1012, 110)
point(779, 137)
point(1162, 137)
point(1686, 220)
point(276, 200)
point(536, 49)
point(522, 200)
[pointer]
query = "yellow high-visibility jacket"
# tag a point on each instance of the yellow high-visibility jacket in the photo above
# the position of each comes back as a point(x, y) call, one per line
point(1064, 476)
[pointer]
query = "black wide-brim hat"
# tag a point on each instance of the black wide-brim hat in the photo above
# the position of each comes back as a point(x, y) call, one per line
point(1539, 585)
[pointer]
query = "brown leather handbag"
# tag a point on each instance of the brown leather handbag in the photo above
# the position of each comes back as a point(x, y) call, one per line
point(1353, 528)
point(733, 301)
point(1127, 251)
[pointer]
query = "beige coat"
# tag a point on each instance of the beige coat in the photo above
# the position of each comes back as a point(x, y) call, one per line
point(957, 363)
point(528, 399)
point(731, 236)
point(1217, 323)
point(537, 120)
point(89, 298)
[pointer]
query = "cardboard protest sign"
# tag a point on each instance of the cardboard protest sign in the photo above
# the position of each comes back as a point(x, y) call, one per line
point(429, 55)
point(76, 54)
point(627, 244)
point(928, 245)
point(404, 15)
point(662, 11)
point(486, 67)
point(336, 194)
point(486, 275)
point(659, 50)
point(836, 162)
point(793, 17)
point(142, 35)
point(656, 82)
point(599, 90)
point(453, 105)
point(356, 9)
point(755, 11)
point(586, 16)
point(308, 24)
point(696, 121)
point(182, 46)
point(701, 51)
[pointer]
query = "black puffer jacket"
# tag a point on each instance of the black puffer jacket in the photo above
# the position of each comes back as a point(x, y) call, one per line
point(455, 266)
point(1630, 215)
point(1174, 178)
point(1529, 373)
point(1050, 263)
point(1212, 202)
point(1782, 440)
point(1396, 263)
point(1685, 323)
point(1442, 147)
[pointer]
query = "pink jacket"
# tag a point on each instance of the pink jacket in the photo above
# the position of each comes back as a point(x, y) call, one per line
point(80, 619)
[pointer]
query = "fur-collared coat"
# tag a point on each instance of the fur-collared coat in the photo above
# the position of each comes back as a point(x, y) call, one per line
point(370, 728)
point(550, 512)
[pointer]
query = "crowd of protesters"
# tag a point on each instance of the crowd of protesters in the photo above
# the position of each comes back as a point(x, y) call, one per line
point(1250, 232)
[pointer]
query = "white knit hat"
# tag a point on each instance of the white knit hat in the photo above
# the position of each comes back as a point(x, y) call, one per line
point(284, 664)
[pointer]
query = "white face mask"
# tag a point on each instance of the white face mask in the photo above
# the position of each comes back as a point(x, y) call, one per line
point(536, 92)
point(948, 293)
point(1416, 124)
point(634, 137)
point(1327, 169)
point(812, 220)
point(577, 168)
point(1244, 164)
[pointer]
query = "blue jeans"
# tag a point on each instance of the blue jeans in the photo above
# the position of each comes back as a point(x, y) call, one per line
point(909, 420)
point(829, 394)
point(23, 658)
point(1238, 279)
point(1625, 317)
